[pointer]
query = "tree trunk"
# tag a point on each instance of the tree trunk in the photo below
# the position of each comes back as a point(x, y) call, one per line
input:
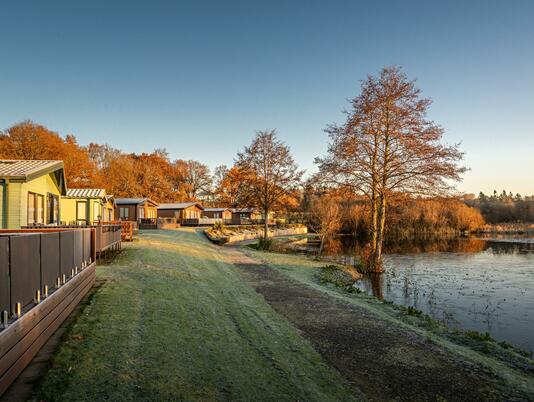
point(374, 230)
point(265, 227)
point(378, 267)
point(321, 245)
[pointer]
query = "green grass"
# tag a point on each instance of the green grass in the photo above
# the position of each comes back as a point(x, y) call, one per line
point(510, 366)
point(174, 321)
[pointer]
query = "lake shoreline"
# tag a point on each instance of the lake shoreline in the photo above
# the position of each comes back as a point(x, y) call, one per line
point(501, 359)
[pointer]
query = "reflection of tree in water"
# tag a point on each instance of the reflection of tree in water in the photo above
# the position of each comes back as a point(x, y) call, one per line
point(377, 284)
point(348, 247)
point(504, 247)
point(434, 245)
point(332, 246)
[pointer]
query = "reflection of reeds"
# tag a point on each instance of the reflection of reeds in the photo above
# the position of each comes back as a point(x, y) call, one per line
point(508, 228)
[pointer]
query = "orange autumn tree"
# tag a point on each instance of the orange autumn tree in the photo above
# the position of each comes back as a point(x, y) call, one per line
point(230, 187)
point(28, 140)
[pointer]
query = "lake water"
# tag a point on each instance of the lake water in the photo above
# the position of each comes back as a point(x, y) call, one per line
point(474, 284)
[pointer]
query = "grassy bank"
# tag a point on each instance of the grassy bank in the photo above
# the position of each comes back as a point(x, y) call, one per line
point(175, 321)
point(510, 368)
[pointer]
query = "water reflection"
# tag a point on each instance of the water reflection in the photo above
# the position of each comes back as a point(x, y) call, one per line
point(471, 283)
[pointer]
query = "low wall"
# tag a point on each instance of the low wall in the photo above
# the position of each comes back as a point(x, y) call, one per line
point(251, 235)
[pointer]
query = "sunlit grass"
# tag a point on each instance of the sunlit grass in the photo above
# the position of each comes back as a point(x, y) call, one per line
point(174, 321)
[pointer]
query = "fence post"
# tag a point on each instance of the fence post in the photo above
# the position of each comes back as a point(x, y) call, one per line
point(93, 244)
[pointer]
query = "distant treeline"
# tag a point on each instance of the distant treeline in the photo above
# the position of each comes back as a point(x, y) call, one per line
point(504, 207)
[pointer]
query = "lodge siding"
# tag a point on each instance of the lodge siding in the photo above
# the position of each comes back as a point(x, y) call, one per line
point(180, 213)
point(17, 199)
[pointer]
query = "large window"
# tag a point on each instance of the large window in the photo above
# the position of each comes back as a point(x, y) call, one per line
point(81, 212)
point(191, 214)
point(97, 212)
point(124, 212)
point(52, 213)
point(35, 209)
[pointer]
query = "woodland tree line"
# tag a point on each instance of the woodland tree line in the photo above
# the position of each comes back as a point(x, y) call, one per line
point(504, 207)
point(155, 176)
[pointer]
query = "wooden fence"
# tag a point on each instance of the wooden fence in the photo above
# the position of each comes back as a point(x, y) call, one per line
point(43, 276)
point(108, 235)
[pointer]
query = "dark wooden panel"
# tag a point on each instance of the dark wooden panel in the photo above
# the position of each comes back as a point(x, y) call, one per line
point(87, 245)
point(78, 249)
point(50, 260)
point(4, 274)
point(67, 253)
point(25, 270)
point(98, 233)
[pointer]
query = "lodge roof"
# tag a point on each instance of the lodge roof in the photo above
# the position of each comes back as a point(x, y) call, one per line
point(26, 170)
point(239, 210)
point(86, 193)
point(216, 209)
point(136, 201)
point(180, 205)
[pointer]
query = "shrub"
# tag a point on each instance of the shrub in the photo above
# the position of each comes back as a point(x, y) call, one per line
point(479, 336)
point(219, 225)
point(337, 276)
point(264, 243)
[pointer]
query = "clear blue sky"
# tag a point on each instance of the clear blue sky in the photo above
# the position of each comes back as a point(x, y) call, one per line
point(199, 77)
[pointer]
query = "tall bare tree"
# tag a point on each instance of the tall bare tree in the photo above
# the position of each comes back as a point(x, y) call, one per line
point(387, 146)
point(270, 172)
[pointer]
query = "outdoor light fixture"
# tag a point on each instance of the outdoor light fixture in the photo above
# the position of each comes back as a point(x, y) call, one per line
point(45, 291)
point(5, 318)
point(63, 279)
point(18, 309)
point(58, 282)
point(37, 296)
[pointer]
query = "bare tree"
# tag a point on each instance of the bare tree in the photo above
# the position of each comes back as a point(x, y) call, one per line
point(270, 171)
point(387, 146)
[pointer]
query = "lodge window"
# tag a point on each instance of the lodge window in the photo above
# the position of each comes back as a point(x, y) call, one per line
point(97, 214)
point(52, 213)
point(216, 215)
point(191, 214)
point(124, 213)
point(35, 208)
point(81, 211)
